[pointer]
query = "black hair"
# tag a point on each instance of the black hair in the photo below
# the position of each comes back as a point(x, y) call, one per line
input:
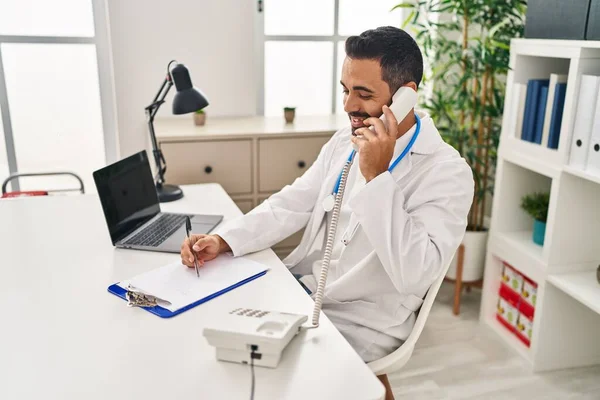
point(398, 54)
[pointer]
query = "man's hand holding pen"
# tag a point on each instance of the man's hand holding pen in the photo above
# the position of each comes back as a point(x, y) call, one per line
point(205, 247)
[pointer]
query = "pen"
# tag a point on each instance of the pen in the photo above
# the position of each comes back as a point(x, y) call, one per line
point(188, 229)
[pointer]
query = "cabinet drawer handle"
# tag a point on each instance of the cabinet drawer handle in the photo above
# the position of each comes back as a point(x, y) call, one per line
point(301, 164)
point(208, 169)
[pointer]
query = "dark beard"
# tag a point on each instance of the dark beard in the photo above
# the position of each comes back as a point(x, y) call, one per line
point(356, 115)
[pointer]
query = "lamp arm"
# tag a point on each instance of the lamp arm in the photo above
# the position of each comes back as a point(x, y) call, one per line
point(151, 111)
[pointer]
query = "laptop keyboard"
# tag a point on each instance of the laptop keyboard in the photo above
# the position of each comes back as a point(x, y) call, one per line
point(158, 231)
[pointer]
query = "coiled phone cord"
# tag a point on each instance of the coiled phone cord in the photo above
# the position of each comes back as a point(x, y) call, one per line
point(329, 246)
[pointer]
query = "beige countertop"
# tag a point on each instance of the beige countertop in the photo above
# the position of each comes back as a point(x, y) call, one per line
point(179, 128)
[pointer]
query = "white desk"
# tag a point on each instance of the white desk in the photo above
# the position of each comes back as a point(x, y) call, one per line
point(63, 336)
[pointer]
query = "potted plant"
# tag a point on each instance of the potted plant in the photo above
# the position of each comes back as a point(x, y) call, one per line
point(536, 205)
point(199, 118)
point(289, 113)
point(466, 51)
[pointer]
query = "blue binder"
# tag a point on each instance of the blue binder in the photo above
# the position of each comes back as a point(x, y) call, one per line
point(165, 313)
point(540, 115)
point(534, 88)
point(557, 114)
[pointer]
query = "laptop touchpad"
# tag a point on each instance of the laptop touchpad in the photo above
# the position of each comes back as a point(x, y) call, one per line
point(201, 228)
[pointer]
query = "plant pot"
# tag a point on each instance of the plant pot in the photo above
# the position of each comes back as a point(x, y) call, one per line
point(474, 259)
point(539, 231)
point(199, 119)
point(289, 116)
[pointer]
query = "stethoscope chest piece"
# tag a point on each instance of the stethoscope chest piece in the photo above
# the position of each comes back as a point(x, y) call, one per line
point(328, 203)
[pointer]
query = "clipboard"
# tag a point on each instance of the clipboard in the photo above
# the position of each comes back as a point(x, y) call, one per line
point(165, 313)
point(177, 286)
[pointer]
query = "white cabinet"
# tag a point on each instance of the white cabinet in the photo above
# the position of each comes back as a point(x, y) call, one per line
point(251, 157)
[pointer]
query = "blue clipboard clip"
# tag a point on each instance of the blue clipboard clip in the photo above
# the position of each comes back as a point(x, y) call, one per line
point(154, 304)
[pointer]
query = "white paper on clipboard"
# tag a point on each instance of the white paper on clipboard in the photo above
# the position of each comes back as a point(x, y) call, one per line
point(180, 286)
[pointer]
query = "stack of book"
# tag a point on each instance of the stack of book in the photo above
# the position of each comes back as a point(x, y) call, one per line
point(538, 107)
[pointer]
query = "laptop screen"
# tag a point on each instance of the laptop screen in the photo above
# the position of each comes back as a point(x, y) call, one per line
point(127, 193)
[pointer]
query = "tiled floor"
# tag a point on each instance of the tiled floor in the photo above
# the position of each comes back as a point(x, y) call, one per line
point(457, 358)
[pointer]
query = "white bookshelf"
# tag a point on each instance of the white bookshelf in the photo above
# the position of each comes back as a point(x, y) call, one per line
point(582, 174)
point(582, 286)
point(566, 326)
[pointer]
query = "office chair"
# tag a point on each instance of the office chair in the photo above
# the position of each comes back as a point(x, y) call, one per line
point(6, 194)
point(396, 360)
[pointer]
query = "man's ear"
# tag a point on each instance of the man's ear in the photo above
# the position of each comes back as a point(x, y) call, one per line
point(412, 85)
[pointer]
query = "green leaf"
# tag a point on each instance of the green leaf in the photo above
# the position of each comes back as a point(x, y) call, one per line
point(536, 205)
point(408, 19)
point(403, 5)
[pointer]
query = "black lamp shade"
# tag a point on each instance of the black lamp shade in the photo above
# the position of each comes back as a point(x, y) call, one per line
point(188, 99)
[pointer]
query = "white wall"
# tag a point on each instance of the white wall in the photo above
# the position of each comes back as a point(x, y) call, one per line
point(213, 38)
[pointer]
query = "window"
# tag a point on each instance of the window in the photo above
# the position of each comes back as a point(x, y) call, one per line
point(298, 81)
point(3, 159)
point(302, 48)
point(51, 92)
point(46, 18)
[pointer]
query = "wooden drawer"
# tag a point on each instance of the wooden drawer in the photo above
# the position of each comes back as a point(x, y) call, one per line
point(282, 160)
point(244, 205)
point(228, 162)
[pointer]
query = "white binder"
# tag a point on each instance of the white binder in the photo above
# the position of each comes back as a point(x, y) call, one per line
point(584, 119)
point(593, 151)
point(517, 108)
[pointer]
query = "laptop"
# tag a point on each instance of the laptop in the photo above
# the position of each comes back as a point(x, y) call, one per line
point(132, 211)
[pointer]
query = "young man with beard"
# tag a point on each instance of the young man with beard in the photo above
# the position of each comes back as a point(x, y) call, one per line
point(401, 219)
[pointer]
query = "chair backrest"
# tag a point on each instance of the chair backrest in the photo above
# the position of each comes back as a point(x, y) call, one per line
point(41, 192)
point(425, 309)
point(396, 360)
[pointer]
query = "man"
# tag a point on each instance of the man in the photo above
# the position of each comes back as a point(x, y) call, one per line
point(397, 229)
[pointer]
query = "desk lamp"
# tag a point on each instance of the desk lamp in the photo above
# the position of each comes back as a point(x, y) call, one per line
point(188, 99)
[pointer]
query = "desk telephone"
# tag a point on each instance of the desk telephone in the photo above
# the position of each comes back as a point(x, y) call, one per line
point(247, 335)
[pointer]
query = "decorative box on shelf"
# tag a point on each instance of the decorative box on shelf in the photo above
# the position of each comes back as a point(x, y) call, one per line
point(508, 311)
point(512, 278)
point(516, 303)
point(524, 329)
point(529, 291)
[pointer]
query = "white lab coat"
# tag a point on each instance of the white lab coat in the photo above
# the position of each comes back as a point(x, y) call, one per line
point(404, 227)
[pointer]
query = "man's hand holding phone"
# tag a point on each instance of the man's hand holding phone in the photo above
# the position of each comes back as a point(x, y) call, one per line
point(376, 146)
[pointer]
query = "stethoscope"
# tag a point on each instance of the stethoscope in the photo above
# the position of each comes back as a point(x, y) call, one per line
point(329, 201)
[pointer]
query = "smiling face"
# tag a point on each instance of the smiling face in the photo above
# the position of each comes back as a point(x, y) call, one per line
point(378, 62)
point(365, 92)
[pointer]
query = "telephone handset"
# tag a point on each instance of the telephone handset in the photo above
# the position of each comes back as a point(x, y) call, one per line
point(403, 101)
